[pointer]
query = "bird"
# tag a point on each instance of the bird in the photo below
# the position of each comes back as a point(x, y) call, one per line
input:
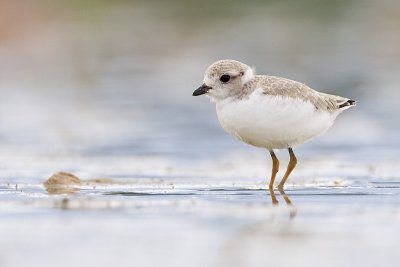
point(269, 112)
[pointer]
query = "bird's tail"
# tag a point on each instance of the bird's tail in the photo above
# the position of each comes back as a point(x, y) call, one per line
point(347, 103)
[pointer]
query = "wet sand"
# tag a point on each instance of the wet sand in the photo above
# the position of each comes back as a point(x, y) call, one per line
point(195, 221)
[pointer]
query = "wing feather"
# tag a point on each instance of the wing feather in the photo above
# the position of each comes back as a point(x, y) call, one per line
point(277, 86)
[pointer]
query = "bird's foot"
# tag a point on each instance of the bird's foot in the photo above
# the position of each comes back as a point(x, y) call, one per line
point(273, 196)
point(281, 187)
point(271, 187)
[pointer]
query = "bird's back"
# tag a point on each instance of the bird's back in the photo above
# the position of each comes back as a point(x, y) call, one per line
point(282, 87)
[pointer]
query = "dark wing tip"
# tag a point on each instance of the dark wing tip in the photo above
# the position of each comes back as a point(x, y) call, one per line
point(348, 103)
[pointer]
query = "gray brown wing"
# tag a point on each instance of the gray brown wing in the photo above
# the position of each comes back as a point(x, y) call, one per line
point(278, 86)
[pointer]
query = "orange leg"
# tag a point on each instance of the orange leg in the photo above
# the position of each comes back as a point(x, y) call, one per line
point(275, 169)
point(290, 167)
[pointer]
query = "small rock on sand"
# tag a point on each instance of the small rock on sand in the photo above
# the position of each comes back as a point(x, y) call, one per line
point(62, 178)
point(61, 183)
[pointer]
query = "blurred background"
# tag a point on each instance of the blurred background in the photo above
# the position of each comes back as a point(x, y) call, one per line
point(103, 89)
point(113, 79)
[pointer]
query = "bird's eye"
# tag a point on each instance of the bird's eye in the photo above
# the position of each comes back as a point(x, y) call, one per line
point(225, 78)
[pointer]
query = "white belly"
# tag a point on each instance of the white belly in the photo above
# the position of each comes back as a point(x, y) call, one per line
point(273, 122)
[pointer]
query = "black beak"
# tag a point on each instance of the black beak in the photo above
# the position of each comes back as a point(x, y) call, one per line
point(201, 90)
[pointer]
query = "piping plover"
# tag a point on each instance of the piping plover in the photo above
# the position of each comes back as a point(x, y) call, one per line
point(268, 111)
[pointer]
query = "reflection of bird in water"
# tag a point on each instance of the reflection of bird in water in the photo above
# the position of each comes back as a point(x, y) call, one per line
point(267, 111)
point(293, 210)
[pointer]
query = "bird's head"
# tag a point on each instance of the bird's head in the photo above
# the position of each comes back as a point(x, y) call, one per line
point(224, 78)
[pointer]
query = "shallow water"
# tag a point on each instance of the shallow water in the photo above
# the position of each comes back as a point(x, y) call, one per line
point(104, 91)
point(197, 222)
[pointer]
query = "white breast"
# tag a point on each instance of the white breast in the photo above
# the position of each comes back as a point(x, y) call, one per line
point(272, 122)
